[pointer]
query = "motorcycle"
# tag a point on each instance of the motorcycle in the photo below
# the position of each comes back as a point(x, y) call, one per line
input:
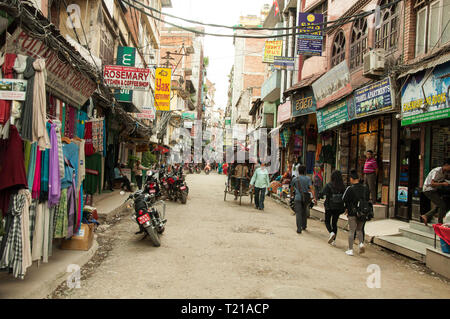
point(198, 169)
point(150, 220)
point(151, 185)
point(175, 187)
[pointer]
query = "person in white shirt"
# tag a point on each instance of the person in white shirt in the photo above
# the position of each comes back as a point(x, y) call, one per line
point(438, 177)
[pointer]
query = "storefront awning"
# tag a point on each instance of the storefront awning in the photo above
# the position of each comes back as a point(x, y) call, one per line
point(427, 65)
point(307, 81)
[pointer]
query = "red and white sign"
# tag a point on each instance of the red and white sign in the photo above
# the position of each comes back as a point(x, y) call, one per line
point(126, 77)
point(64, 80)
point(284, 112)
point(148, 112)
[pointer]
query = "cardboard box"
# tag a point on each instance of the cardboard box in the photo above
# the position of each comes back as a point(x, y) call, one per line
point(82, 240)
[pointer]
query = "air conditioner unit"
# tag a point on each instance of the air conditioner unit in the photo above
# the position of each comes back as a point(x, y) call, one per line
point(374, 61)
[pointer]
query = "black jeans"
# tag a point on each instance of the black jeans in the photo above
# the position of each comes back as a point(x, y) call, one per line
point(331, 220)
point(139, 181)
point(124, 180)
point(439, 201)
point(260, 193)
point(300, 216)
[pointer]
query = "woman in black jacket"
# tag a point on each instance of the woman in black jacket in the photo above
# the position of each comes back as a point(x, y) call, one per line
point(334, 205)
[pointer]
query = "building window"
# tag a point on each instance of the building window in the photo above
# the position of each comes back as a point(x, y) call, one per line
point(338, 54)
point(106, 47)
point(386, 36)
point(358, 44)
point(432, 25)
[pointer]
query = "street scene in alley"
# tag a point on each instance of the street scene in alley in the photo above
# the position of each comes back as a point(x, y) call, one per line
point(205, 151)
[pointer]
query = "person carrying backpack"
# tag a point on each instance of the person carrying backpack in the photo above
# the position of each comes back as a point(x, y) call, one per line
point(334, 204)
point(359, 210)
point(302, 185)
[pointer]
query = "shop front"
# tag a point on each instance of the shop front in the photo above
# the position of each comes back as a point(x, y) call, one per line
point(424, 140)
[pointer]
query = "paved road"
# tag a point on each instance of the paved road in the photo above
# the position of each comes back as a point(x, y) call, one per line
point(217, 249)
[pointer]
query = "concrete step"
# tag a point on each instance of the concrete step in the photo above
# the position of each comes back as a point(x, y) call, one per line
point(438, 261)
point(423, 237)
point(421, 227)
point(404, 246)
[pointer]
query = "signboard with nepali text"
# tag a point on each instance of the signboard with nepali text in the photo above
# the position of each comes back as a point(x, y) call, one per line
point(65, 81)
point(162, 89)
point(310, 39)
point(374, 98)
point(271, 50)
point(126, 77)
point(418, 109)
point(304, 103)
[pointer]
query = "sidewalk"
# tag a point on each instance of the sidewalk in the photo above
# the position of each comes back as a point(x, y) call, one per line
point(373, 228)
point(42, 280)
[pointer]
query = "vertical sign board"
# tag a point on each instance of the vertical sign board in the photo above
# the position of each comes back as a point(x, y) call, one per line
point(126, 56)
point(162, 88)
point(310, 39)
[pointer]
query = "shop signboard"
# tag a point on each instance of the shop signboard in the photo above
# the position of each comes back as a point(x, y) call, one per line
point(148, 112)
point(304, 103)
point(228, 121)
point(188, 115)
point(162, 88)
point(11, 89)
point(125, 56)
point(126, 77)
point(283, 63)
point(272, 49)
point(284, 112)
point(333, 115)
point(374, 98)
point(65, 81)
point(332, 85)
point(187, 124)
point(435, 85)
point(402, 194)
point(310, 39)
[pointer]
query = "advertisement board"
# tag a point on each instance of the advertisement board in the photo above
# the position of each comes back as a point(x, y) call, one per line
point(284, 112)
point(436, 105)
point(148, 112)
point(311, 41)
point(374, 98)
point(333, 115)
point(272, 49)
point(162, 88)
point(125, 56)
point(11, 89)
point(304, 103)
point(284, 63)
point(332, 85)
point(126, 77)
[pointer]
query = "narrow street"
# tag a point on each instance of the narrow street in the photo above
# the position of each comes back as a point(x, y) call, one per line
point(217, 249)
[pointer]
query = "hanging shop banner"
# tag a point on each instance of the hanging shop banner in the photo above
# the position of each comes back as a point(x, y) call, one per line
point(271, 50)
point(11, 89)
point(284, 112)
point(283, 63)
point(228, 121)
point(148, 112)
point(374, 98)
point(333, 115)
point(436, 106)
point(332, 85)
point(125, 56)
point(162, 88)
point(126, 77)
point(64, 81)
point(304, 103)
point(311, 41)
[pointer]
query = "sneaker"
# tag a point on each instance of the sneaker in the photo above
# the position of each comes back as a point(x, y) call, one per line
point(349, 252)
point(362, 249)
point(332, 237)
point(333, 243)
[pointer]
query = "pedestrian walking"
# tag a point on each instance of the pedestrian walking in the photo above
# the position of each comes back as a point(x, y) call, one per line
point(435, 185)
point(334, 204)
point(220, 169)
point(225, 169)
point(260, 180)
point(318, 180)
point(303, 187)
point(356, 198)
point(370, 175)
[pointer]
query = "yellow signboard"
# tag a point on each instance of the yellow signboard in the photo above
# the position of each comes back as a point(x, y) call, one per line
point(271, 49)
point(162, 89)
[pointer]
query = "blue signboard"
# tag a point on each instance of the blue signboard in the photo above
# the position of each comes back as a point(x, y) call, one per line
point(310, 39)
point(373, 98)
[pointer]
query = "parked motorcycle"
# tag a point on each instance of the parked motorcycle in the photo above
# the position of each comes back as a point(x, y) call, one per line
point(150, 220)
point(198, 170)
point(175, 187)
point(151, 185)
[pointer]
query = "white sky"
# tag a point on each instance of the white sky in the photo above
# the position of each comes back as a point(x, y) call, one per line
point(219, 50)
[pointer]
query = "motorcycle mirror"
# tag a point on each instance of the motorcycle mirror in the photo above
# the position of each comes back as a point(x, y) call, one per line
point(122, 193)
point(149, 173)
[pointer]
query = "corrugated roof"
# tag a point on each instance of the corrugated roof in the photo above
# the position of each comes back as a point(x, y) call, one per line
point(427, 65)
point(304, 82)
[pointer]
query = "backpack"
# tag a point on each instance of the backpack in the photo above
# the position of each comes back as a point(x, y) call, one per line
point(336, 203)
point(364, 209)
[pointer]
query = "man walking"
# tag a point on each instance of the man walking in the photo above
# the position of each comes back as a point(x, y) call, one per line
point(260, 180)
point(302, 185)
point(370, 175)
point(435, 181)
